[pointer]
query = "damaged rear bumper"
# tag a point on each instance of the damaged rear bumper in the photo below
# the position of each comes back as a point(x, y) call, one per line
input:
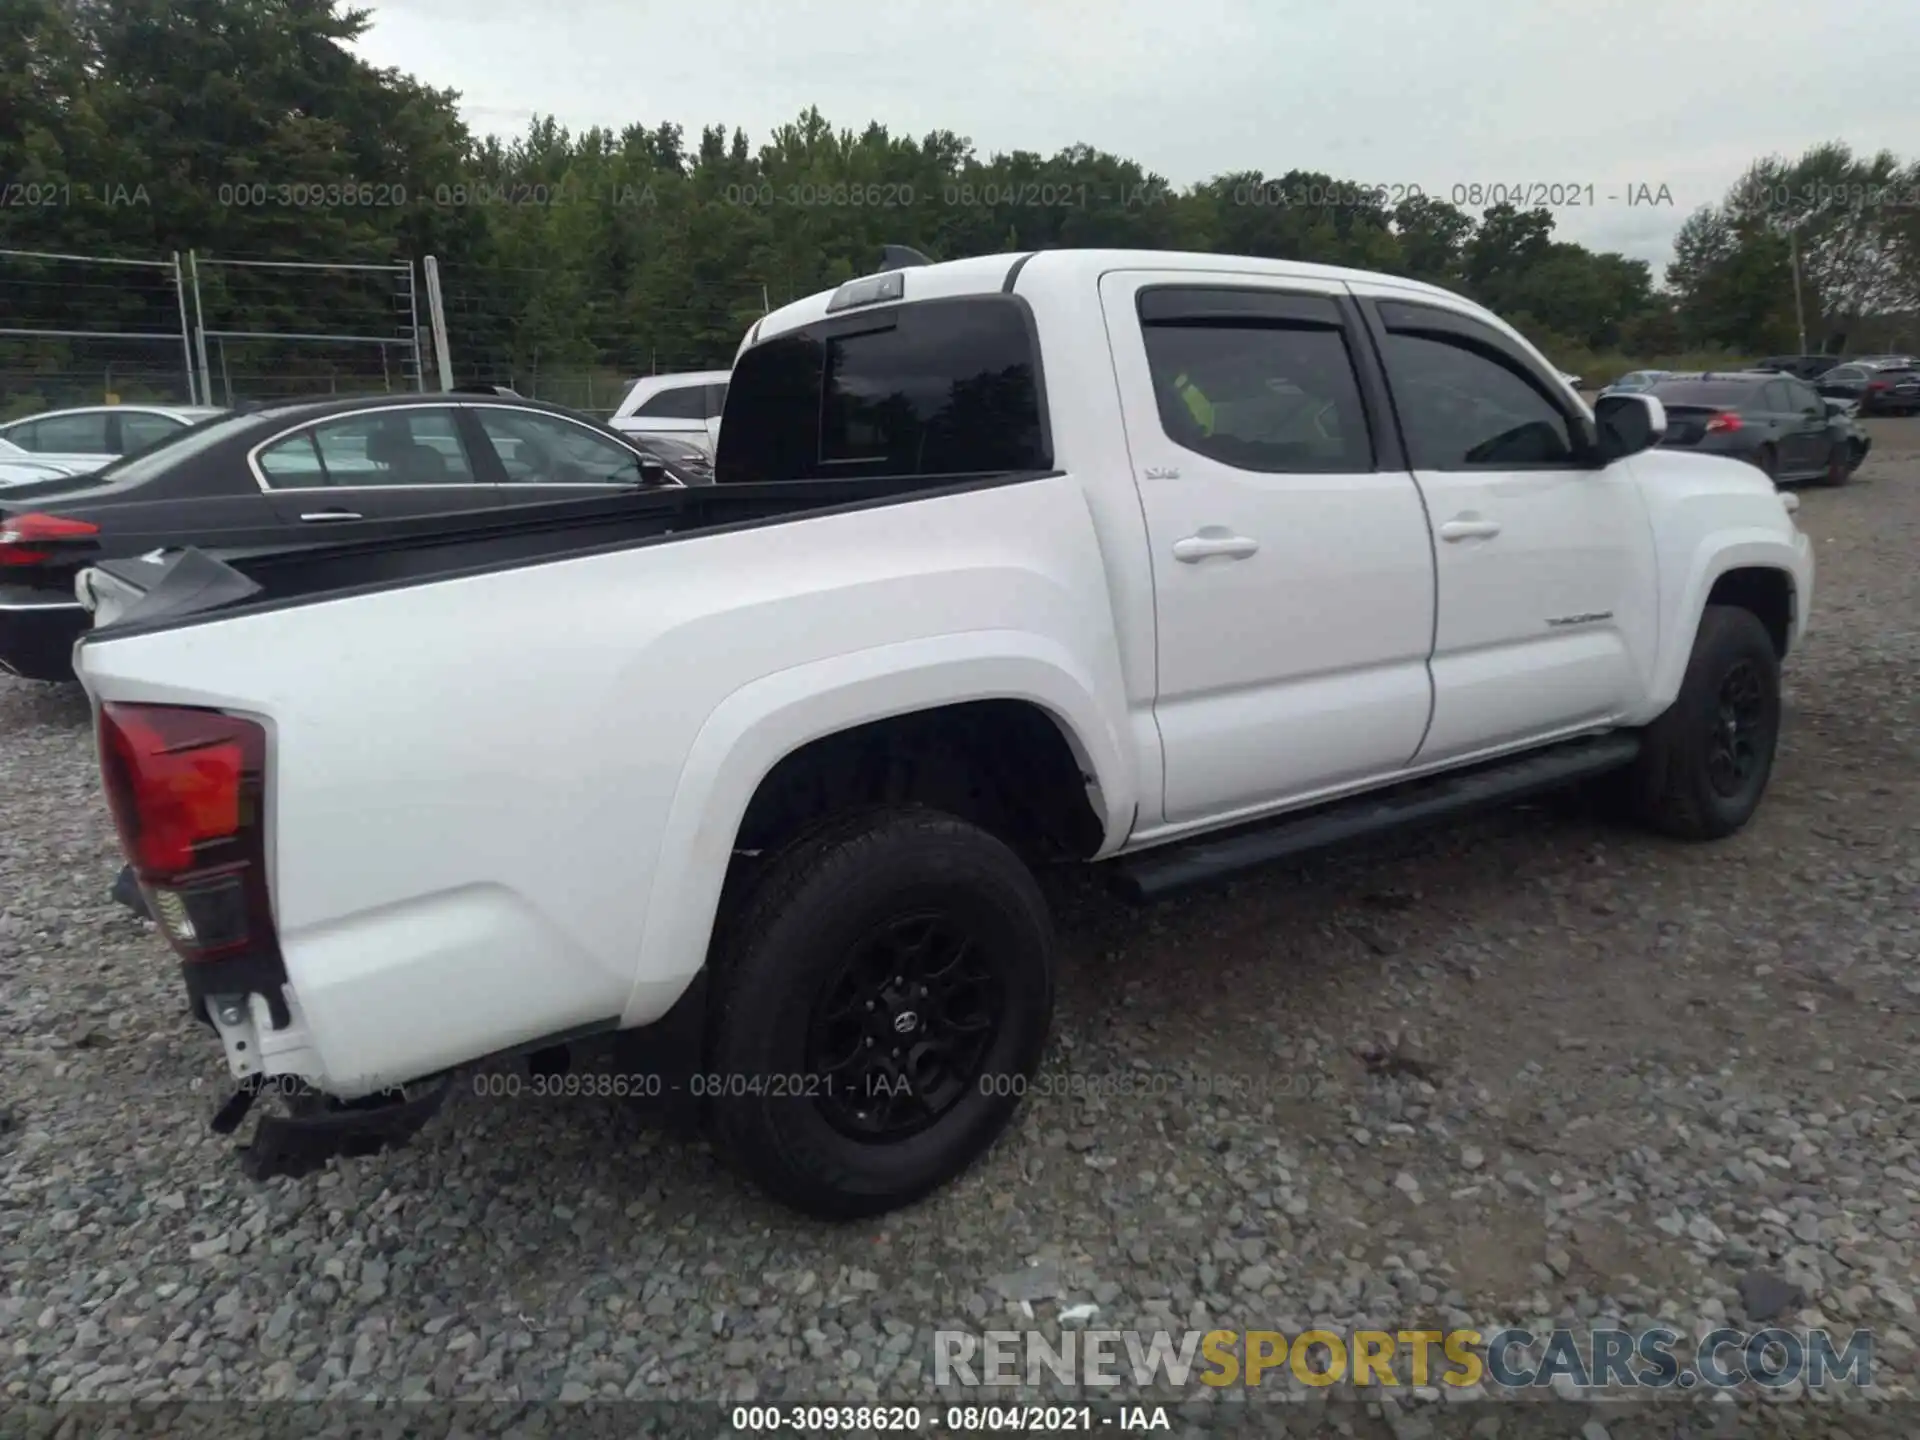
point(314, 1129)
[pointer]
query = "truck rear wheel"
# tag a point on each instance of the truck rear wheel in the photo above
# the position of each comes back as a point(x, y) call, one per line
point(881, 999)
point(1707, 760)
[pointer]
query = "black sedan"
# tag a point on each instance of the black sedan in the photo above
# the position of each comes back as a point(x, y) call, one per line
point(289, 475)
point(1775, 421)
point(1878, 389)
point(1806, 367)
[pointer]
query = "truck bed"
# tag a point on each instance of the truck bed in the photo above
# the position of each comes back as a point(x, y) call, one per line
point(189, 586)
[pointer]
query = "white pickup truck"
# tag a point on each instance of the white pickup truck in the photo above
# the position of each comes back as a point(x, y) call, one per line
point(1178, 563)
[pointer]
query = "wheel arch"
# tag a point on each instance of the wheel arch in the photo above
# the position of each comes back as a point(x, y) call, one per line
point(767, 722)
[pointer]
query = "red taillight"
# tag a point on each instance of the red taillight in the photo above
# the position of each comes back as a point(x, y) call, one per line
point(1725, 420)
point(21, 535)
point(1877, 385)
point(185, 787)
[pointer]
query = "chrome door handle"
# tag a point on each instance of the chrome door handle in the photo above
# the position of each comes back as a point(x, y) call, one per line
point(330, 515)
point(1203, 546)
point(1469, 529)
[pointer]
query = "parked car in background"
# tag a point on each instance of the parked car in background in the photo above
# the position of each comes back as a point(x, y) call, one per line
point(90, 436)
point(1576, 381)
point(17, 466)
point(685, 406)
point(687, 461)
point(1635, 381)
point(1854, 435)
point(296, 475)
point(1768, 418)
point(768, 764)
point(1878, 389)
point(1807, 367)
point(1898, 362)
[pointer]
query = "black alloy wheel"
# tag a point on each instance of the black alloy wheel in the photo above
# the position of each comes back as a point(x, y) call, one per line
point(900, 1033)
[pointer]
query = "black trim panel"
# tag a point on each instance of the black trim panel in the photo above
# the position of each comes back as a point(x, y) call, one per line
point(1431, 798)
point(1013, 272)
point(1226, 304)
point(1383, 421)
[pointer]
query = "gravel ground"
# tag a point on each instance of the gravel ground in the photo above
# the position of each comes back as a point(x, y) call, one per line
point(1528, 1070)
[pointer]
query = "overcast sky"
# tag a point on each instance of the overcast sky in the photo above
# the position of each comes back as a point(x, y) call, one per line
point(1612, 94)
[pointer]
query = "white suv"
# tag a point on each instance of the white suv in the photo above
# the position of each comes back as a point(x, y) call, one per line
point(686, 406)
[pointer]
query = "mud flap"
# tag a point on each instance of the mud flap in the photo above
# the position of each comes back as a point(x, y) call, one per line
point(126, 890)
point(315, 1129)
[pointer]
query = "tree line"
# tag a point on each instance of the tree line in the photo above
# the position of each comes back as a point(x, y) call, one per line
point(249, 129)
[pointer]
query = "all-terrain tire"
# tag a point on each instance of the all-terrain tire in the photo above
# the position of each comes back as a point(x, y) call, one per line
point(1729, 706)
point(779, 1116)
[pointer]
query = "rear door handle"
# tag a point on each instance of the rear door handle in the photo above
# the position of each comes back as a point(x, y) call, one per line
point(331, 515)
point(1469, 529)
point(1210, 542)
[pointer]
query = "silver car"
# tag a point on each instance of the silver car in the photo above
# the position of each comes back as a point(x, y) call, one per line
point(87, 437)
point(1636, 381)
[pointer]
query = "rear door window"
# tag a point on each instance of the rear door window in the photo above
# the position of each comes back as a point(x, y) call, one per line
point(1263, 394)
point(402, 447)
point(141, 428)
point(941, 387)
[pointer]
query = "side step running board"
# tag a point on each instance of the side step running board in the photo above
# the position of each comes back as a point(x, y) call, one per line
point(1417, 802)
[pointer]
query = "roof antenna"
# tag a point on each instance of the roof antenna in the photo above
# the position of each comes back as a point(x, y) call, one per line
point(900, 257)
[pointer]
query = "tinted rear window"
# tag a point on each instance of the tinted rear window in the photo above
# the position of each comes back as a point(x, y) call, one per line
point(1706, 392)
point(941, 387)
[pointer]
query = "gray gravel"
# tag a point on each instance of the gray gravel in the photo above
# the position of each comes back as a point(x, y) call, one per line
point(1532, 1070)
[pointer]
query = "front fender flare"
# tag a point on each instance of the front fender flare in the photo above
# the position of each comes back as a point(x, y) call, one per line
point(762, 722)
point(1754, 549)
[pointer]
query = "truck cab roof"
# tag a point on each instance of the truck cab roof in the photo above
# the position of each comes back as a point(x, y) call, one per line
point(1070, 269)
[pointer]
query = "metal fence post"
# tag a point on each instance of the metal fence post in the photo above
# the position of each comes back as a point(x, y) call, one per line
point(413, 332)
point(437, 318)
point(186, 336)
point(200, 326)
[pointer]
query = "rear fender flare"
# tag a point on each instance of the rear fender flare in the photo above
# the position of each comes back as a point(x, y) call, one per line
point(761, 723)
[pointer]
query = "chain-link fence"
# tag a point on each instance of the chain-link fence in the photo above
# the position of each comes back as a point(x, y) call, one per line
point(277, 329)
point(222, 329)
point(536, 331)
point(92, 329)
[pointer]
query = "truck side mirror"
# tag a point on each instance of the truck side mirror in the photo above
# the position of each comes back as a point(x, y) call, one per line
point(1628, 424)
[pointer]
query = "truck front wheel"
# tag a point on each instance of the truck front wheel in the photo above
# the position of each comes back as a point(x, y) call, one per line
point(1706, 761)
point(882, 999)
